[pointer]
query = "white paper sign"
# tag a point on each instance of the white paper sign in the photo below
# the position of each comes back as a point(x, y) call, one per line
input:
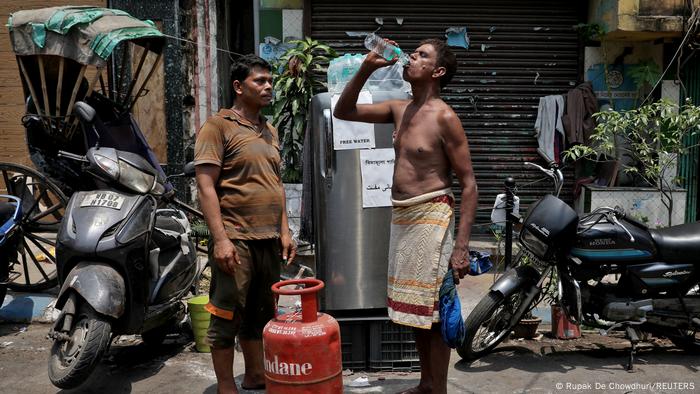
point(352, 135)
point(377, 167)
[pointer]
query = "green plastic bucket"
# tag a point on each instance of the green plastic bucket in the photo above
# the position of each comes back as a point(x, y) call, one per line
point(199, 317)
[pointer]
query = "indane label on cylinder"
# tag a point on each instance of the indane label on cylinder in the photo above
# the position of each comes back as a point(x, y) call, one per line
point(282, 330)
point(313, 331)
point(288, 369)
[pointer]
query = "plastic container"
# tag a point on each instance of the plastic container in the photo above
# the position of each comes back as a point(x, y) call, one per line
point(386, 79)
point(200, 318)
point(341, 70)
point(392, 347)
point(353, 343)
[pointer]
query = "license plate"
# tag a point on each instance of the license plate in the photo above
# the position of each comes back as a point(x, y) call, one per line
point(103, 199)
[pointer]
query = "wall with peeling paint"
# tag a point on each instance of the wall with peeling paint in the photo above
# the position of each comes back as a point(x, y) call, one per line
point(612, 50)
point(204, 37)
point(639, 19)
point(205, 85)
point(621, 57)
point(638, 31)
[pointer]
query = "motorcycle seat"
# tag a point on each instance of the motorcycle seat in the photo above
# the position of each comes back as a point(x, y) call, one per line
point(678, 244)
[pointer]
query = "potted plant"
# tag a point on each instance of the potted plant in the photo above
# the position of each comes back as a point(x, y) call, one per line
point(653, 136)
point(527, 326)
point(298, 76)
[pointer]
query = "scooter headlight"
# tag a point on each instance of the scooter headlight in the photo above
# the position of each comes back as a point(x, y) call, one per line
point(109, 166)
point(135, 179)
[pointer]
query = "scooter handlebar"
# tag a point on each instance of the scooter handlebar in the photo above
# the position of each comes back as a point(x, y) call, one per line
point(72, 156)
point(531, 164)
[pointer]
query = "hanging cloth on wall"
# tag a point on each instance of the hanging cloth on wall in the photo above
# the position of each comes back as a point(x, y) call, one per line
point(578, 121)
point(548, 124)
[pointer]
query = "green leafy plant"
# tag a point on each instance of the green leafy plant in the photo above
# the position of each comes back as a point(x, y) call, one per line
point(298, 76)
point(645, 74)
point(590, 31)
point(200, 232)
point(653, 136)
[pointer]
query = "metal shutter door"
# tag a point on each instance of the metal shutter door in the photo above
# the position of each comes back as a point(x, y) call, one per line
point(519, 51)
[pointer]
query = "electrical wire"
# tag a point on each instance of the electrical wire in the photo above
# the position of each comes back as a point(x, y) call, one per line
point(692, 21)
point(203, 45)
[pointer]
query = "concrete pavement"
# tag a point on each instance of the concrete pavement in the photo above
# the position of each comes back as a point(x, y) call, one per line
point(592, 363)
point(518, 366)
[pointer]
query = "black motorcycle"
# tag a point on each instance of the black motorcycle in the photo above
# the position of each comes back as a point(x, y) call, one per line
point(125, 259)
point(610, 272)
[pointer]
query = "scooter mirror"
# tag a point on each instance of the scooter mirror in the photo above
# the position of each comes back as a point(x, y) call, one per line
point(188, 170)
point(85, 112)
point(87, 116)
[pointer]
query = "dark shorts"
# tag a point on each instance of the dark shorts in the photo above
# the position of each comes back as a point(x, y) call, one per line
point(243, 303)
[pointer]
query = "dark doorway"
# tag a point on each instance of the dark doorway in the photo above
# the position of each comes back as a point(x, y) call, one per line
point(235, 32)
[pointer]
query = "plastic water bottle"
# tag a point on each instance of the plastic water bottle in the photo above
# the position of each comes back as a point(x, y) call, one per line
point(377, 45)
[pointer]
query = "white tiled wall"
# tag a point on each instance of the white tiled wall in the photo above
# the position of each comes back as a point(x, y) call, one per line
point(292, 24)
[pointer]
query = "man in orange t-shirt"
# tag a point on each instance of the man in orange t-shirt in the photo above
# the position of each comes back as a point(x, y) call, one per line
point(241, 195)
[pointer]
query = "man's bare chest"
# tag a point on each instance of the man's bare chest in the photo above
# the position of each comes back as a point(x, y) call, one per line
point(418, 139)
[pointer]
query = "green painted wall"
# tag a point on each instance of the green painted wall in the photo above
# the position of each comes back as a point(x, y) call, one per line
point(288, 4)
point(270, 24)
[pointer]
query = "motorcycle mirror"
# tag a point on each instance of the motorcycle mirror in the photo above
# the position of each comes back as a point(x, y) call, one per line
point(188, 170)
point(87, 114)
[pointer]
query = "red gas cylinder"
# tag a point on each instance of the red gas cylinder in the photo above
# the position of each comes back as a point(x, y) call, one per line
point(302, 351)
point(562, 328)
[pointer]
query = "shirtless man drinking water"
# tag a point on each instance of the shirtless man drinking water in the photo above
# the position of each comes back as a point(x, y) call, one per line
point(430, 145)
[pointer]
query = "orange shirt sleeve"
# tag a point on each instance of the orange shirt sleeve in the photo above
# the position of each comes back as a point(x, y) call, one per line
point(209, 145)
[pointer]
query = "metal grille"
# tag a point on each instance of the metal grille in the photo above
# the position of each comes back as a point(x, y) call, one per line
point(519, 52)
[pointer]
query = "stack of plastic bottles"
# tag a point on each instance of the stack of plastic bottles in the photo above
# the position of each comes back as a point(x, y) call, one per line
point(343, 68)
